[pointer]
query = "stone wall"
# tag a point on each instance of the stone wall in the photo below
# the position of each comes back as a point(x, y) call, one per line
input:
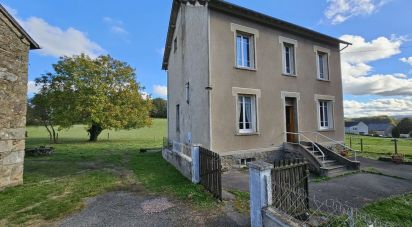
point(233, 160)
point(13, 92)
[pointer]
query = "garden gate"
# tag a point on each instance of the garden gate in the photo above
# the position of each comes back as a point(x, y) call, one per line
point(211, 172)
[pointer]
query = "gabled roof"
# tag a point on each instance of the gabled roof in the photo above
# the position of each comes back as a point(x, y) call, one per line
point(351, 123)
point(379, 126)
point(229, 8)
point(33, 44)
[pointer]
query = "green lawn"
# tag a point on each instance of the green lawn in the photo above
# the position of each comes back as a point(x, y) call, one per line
point(57, 185)
point(376, 146)
point(396, 211)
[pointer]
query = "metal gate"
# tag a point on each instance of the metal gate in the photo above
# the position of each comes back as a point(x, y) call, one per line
point(211, 172)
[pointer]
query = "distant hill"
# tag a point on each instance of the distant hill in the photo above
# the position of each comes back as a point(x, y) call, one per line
point(400, 117)
point(374, 120)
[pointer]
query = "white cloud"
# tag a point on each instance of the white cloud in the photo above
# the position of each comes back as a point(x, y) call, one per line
point(32, 88)
point(56, 41)
point(160, 90)
point(356, 70)
point(338, 11)
point(116, 26)
point(406, 60)
point(375, 107)
point(144, 94)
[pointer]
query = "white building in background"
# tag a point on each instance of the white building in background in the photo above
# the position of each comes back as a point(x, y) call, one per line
point(358, 128)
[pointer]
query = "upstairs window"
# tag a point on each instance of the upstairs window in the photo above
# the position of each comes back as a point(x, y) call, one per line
point(325, 114)
point(323, 65)
point(247, 113)
point(289, 59)
point(245, 53)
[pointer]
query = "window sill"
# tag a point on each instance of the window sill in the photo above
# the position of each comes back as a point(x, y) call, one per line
point(246, 68)
point(247, 133)
point(323, 80)
point(289, 75)
point(326, 130)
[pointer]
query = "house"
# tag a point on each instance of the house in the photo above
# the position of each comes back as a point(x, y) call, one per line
point(242, 83)
point(358, 128)
point(381, 129)
point(15, 44)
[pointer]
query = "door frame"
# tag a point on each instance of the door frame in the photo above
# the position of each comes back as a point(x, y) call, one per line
point(296, 95)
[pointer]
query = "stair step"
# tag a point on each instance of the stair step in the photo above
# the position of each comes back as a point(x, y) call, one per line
point(328, 163)
point(335, 170)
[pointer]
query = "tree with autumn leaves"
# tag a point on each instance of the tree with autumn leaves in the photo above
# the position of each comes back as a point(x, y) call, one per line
point(101, 93)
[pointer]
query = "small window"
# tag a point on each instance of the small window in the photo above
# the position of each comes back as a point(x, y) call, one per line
point(187, 87)
point(323, 65)
point(177, 118)
point(175, 44)
point(245, 161)
point(247, 114)
point(325, 115)
point(245, 54)
point(289, 59)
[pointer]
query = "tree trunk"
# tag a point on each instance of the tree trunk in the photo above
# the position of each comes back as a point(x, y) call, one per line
point(48, 130)
point(94, 132)
point(54, 134)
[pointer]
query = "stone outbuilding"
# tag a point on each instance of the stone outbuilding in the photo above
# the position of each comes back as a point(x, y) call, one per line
point(15, 45)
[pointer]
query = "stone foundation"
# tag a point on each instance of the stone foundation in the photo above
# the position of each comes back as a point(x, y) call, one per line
point(233, 160)
point(14, 51)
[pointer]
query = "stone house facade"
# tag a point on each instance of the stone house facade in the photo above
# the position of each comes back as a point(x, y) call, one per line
point(15, 44)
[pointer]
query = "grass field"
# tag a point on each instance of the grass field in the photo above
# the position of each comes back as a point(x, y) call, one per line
point(375, 146)
point(57, 185)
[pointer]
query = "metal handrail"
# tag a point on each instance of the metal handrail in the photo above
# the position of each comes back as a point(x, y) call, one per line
point(334, 141)
point(309, 140)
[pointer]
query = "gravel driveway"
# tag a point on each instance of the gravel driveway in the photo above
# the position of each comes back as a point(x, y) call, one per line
point(137, 209)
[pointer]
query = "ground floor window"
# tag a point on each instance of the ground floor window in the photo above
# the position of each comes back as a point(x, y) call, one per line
point(325, 109)
point(247, 113)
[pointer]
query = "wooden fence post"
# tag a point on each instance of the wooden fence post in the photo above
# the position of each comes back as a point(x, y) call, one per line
point(361, 144)
point(350, 141)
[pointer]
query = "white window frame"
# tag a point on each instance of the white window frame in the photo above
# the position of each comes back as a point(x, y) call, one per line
point(245, 62)
point(326, 67)
point(253, 35)
point(330, 100)
point(294, 44)
point(256, 94)
point(253, 120)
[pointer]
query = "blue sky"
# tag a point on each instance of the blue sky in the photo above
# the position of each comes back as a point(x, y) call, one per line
point(377, 69)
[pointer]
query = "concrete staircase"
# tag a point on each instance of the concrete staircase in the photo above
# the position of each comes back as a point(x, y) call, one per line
point(329, 166)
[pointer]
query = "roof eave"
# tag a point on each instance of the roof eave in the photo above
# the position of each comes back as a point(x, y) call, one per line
point(33, 44)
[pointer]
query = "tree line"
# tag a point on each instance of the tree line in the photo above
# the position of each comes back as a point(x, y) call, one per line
point(101, 93)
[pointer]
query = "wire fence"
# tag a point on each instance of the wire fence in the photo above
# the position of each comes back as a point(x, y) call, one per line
point(320, 212)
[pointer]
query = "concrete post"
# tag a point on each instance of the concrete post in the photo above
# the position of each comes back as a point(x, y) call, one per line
point(260, 187)
point(195, 164)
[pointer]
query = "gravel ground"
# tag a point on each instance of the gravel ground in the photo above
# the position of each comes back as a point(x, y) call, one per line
point(137, 209)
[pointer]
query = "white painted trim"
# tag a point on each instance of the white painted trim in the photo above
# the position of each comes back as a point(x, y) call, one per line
point(317, 49)
point(246, 91)
point(255, 33)
point(288, 40)
point(321, 49)
point(284, 95)
point(237, 27)
point(325, 98)
point(236, 91)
